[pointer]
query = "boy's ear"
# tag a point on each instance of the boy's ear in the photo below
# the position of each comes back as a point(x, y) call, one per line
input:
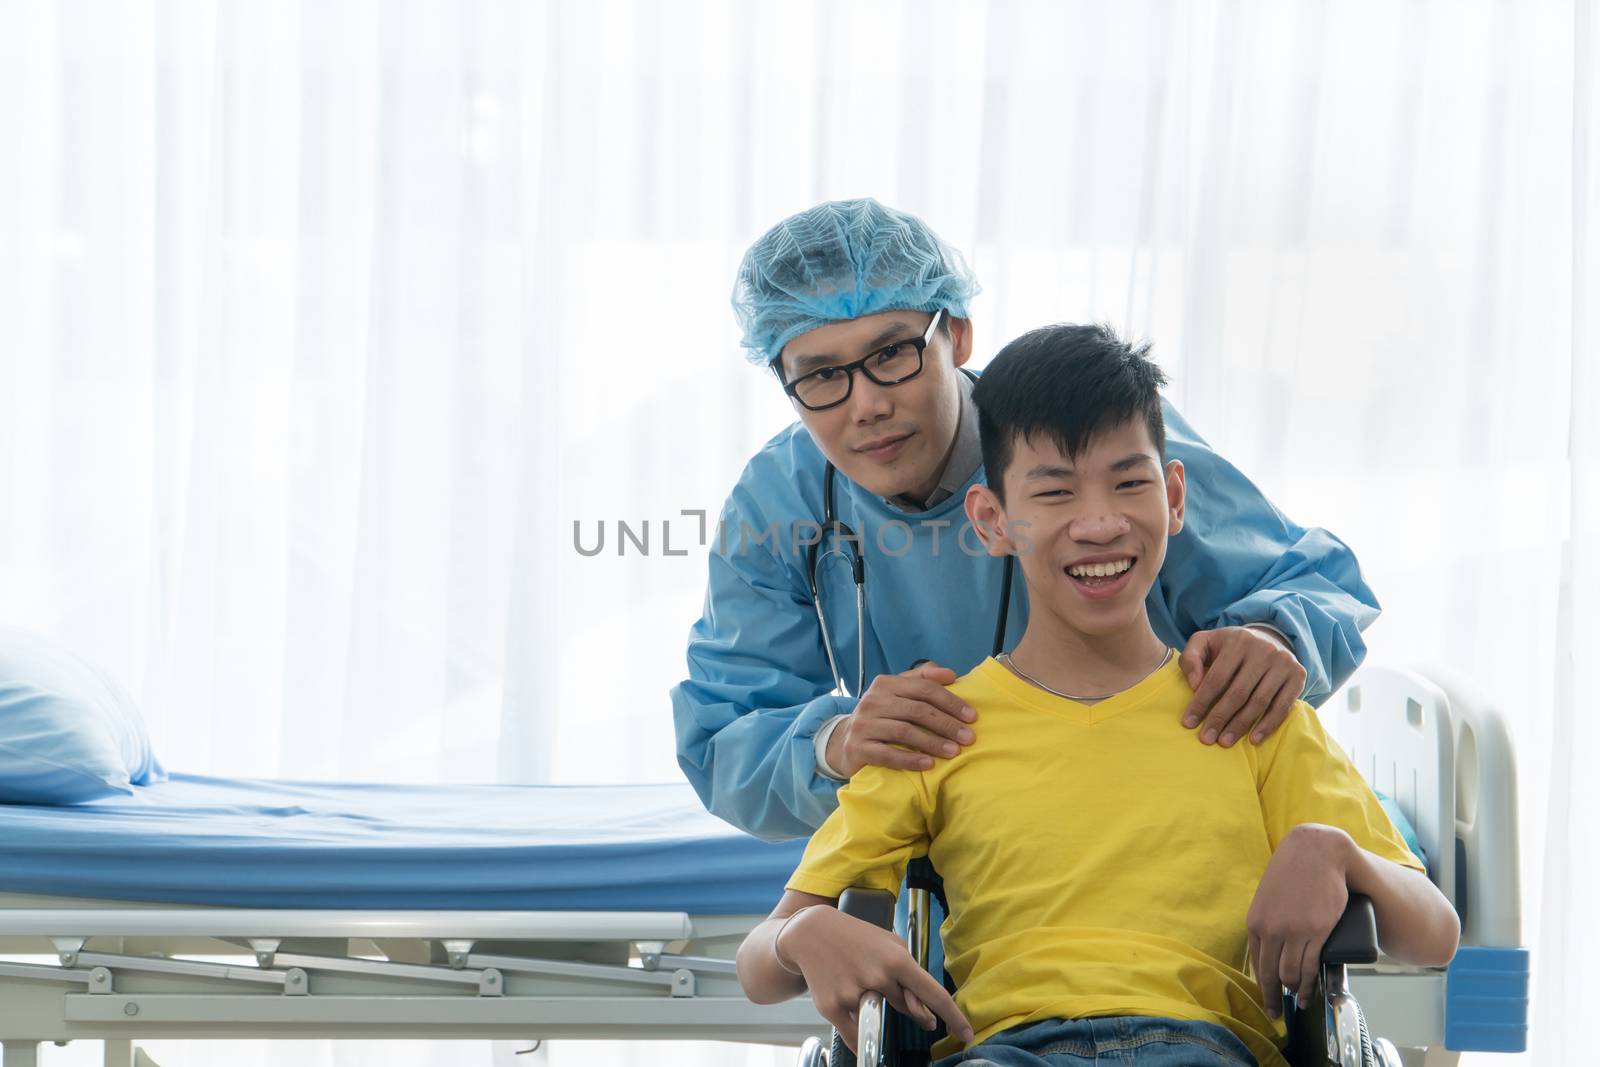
point(988, 518)
point(1177, 496)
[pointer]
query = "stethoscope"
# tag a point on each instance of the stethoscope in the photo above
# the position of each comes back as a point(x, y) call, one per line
point(842, 534)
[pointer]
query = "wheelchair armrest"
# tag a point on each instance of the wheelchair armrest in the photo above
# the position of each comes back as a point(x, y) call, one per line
point(1328, 1026)
point(1355, 937)
point(875, 906)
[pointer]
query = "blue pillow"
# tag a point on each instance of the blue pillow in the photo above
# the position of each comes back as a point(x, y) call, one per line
point(68, 731)
point(1407, 832)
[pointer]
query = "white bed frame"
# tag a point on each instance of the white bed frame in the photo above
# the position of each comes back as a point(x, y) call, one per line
point(123, 973)
point(1443, 752)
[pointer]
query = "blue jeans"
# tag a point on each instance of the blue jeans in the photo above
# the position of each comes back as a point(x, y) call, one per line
point(1122, 1039)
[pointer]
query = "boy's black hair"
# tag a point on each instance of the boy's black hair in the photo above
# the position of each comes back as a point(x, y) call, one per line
point(1067, 384)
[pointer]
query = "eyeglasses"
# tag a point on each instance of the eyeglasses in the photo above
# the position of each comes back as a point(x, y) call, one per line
point(828, 387)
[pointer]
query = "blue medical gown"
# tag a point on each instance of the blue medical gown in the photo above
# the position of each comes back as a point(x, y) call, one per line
point(759, 686)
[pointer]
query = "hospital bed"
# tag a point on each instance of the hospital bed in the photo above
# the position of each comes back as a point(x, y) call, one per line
point(211, 908)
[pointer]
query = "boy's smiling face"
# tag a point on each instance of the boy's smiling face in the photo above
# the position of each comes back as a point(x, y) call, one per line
point(1109, 509)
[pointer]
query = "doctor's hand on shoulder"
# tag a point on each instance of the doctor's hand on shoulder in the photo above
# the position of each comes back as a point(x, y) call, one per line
point(1244, 678)
point(903, 721)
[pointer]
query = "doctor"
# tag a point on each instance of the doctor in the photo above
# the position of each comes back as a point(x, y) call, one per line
point(799, 674)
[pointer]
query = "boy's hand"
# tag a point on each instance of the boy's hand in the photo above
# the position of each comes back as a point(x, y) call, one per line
point(1298, 903)
point(843, 958)
point(913, 710)
point(1242, 678)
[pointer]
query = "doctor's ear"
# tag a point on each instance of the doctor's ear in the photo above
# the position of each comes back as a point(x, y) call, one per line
point(960, 340)
point(988, 519)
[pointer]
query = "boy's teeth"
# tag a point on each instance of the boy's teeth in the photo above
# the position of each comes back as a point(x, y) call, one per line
point(1099, 570)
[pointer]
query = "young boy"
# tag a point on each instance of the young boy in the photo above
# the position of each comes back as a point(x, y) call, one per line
point(1113, 887)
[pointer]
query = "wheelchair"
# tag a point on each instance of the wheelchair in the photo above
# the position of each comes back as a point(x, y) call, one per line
point(1329, 1031)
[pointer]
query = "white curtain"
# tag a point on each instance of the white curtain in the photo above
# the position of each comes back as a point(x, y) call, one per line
point(326, 328)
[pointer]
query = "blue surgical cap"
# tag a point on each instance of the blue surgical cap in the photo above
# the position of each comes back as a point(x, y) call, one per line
point(841, 260)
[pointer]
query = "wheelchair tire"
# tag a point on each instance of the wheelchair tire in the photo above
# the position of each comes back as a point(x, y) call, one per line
point(839, 1054)
point(1367, 1057)
point(1384, 1053)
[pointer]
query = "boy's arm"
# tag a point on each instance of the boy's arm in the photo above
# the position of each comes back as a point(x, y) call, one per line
point(1303, 892)
point(839, 958)
point(881, 822)
point(1330, 837)
point(1416, 924)
point(763, 978)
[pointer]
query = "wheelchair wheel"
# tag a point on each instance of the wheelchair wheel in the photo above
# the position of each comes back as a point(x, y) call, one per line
point(812, 1054)
point(1367, 1059)
point(1384, 1054)
point(840, 1055)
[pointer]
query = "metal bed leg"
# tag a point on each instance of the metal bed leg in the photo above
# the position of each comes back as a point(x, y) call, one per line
point(119, 1053)
point(19, 1054)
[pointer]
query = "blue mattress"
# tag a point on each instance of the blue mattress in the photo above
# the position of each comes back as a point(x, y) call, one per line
point(251, 843)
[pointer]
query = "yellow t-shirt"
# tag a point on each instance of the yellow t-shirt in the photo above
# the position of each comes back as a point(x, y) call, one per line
point(1097, 858)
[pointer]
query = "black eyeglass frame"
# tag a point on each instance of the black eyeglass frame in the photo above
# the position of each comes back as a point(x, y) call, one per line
point(920, 343)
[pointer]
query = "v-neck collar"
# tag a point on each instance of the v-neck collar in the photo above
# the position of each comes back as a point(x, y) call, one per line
point(1031, 696)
